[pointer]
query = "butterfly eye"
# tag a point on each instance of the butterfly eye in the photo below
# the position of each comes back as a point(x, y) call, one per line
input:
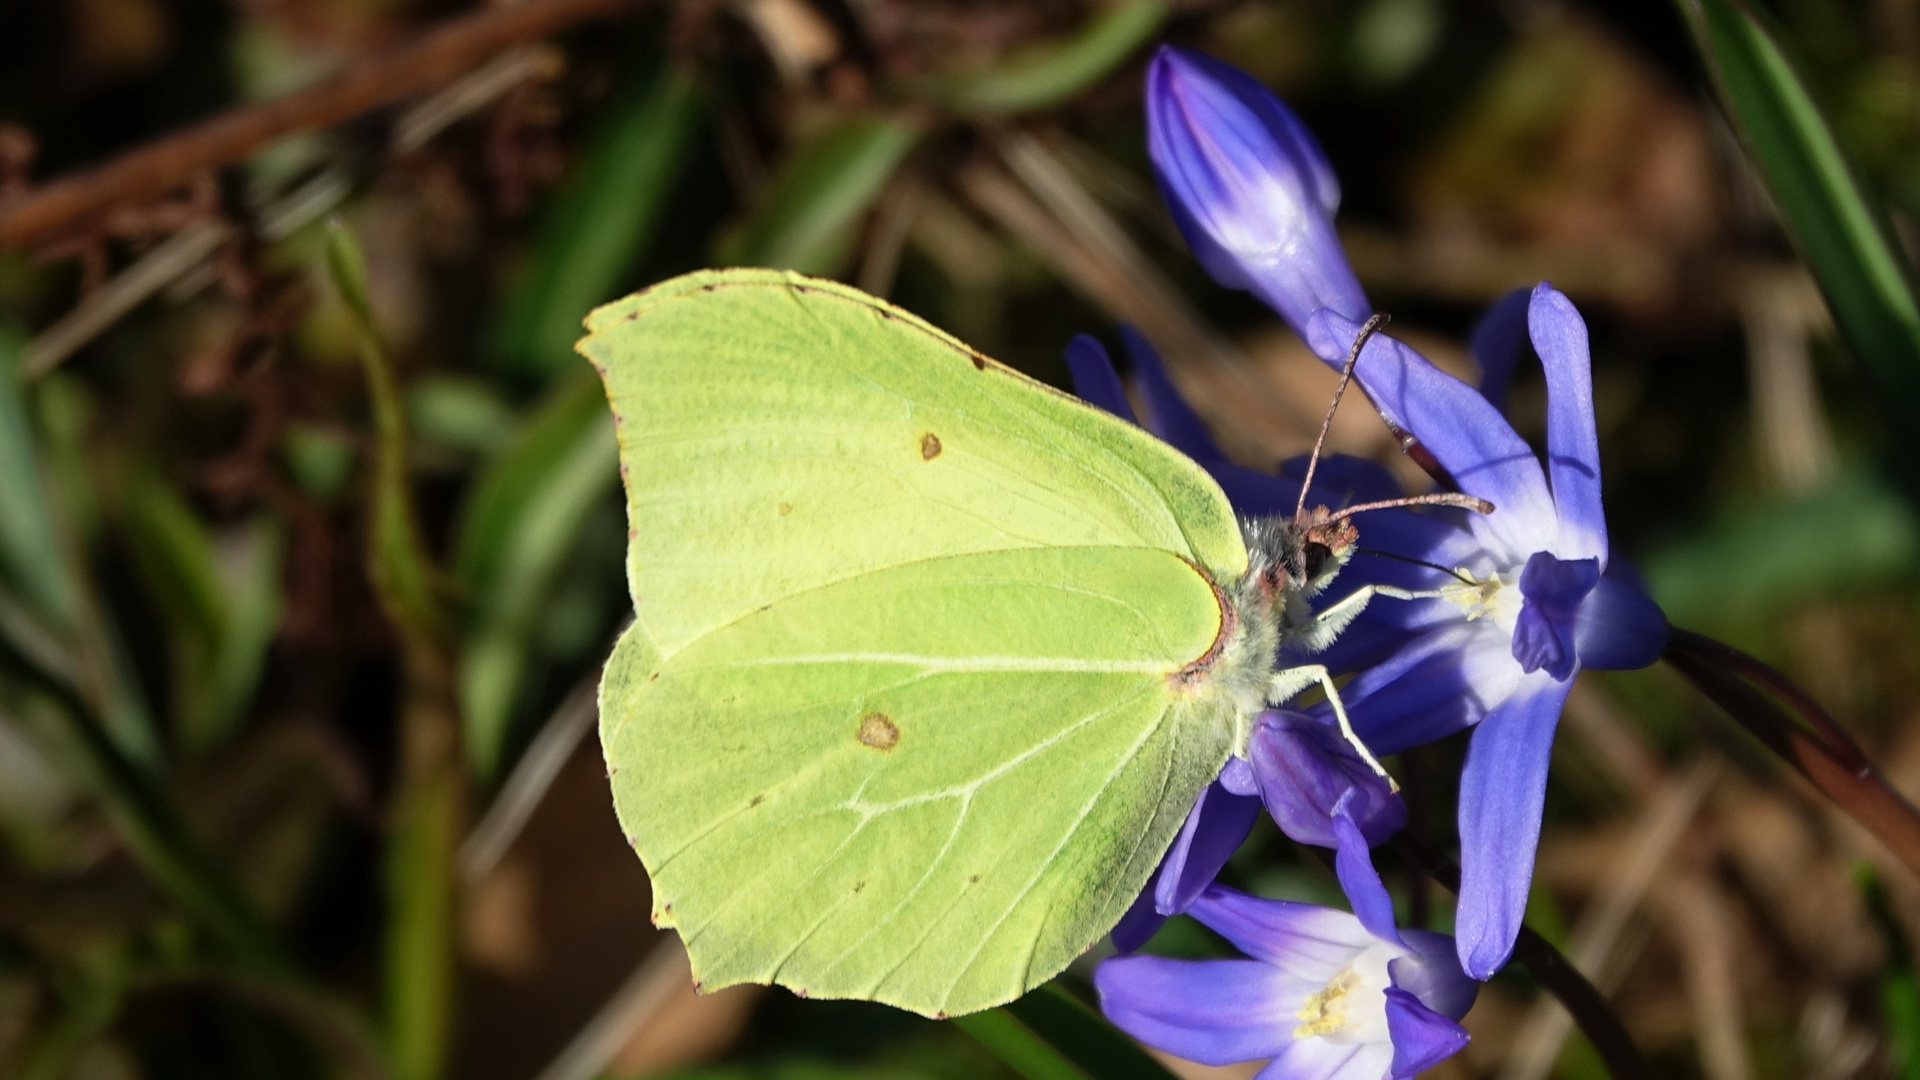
point(1317, 556)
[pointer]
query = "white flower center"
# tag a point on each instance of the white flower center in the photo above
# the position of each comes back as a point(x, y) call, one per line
point(1495, 597)
point(1352, 1007)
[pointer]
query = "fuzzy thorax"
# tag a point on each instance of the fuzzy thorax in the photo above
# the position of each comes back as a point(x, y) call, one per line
point(1288, 563)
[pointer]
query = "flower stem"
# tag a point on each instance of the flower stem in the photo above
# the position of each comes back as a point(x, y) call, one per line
point(1793, 725)
point(1582, 1000)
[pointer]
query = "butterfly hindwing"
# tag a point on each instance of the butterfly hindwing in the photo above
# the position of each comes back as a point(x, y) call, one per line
point(895, 719)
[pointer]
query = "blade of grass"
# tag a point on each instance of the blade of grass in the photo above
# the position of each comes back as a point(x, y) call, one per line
point(597, 226)
point(525, 518)
point(1014, 1043)
point(29, 545)
point(1050, 73)
point(1084, 1036)
point(808, 217)
point(1824, 207)
point(430, 803)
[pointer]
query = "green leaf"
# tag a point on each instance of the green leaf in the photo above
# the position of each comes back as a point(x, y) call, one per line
point(521, 525)
point(1829, 214)
point(1048, 74)
point(810, 215)
point(460, 413)
point(598, 223)
point(1014, 1043)
point(30, 548)
point(220, 599)
point(403, 577)
point(1084, 1036)
point(1852, 534)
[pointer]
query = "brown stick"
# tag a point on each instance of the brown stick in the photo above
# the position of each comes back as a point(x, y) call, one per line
point(155, 168)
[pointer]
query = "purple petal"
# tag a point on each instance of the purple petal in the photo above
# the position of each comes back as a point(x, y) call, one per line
point(1216, 1012)
point(1215, 828)
point(1554, 589)
point(1307, 772)
point(1094, 378)
point(1431, 972)
point(1311, 942)
point(1573, 447)
point(1324, 1059)
point(1502, 789)
point(1421, 1037)
point(1141, 921)
point(1438, 683)
point(1468, 436)
point(1237, 776)
point(1168, 415)
point(1498, 341)
point(1248, 186)
point(1353, 865)
point(1619, 626)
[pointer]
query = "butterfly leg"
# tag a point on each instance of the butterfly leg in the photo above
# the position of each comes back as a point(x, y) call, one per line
point(1320, 631)
point(1290, 681)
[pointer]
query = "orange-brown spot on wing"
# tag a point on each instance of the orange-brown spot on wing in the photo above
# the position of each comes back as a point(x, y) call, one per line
point(878, 731)
point(929, 446)
point(1196, 672)
point(784, 509)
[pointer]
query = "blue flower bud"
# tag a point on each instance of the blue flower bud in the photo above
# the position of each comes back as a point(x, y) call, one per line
point(1250, 188)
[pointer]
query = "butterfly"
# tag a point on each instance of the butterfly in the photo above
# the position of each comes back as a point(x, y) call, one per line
point(929, 660)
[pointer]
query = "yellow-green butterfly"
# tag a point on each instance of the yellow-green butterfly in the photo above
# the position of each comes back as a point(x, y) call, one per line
point(929, 660)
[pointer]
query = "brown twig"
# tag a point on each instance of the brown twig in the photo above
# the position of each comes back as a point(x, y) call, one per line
point(1806, 737)
point(151, 170)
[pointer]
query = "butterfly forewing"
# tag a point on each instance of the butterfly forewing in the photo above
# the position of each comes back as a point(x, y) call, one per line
point(895, 719)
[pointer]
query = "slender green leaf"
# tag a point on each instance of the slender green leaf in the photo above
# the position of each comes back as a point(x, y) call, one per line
point(522, 524)
point(420, 910)
point(1014, 1043)
point(1084, 1036)
point(599, 223)
point(403, 577)
point(30, 548)
point(811, 214)
point(1049, 1035)
point(1737, 575)
point(1050, 73)
point(220, 599)
point(1829, 214)
point(459, 413)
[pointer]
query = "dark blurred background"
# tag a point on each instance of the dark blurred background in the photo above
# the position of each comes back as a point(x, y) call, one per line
point(267, 809)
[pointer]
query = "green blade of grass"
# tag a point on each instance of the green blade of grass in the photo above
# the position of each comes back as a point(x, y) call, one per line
point(809, 216)
point(522, 523)
point(1050, 1035)
point(1050, 73)
point(1825, 208)
point(598, 224)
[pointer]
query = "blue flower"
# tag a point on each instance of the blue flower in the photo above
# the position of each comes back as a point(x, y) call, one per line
point(1319, 993)
point(1527, 602)
point(1530, 599)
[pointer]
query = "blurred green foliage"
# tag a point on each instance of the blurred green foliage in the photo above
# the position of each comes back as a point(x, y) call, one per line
point(308, 562)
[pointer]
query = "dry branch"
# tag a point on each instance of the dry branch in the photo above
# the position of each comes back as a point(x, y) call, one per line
point(155, 168)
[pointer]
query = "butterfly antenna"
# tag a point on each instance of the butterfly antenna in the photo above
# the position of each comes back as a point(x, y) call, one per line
point(1346, 376)
point(1455, 574)
point(1437, 498)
